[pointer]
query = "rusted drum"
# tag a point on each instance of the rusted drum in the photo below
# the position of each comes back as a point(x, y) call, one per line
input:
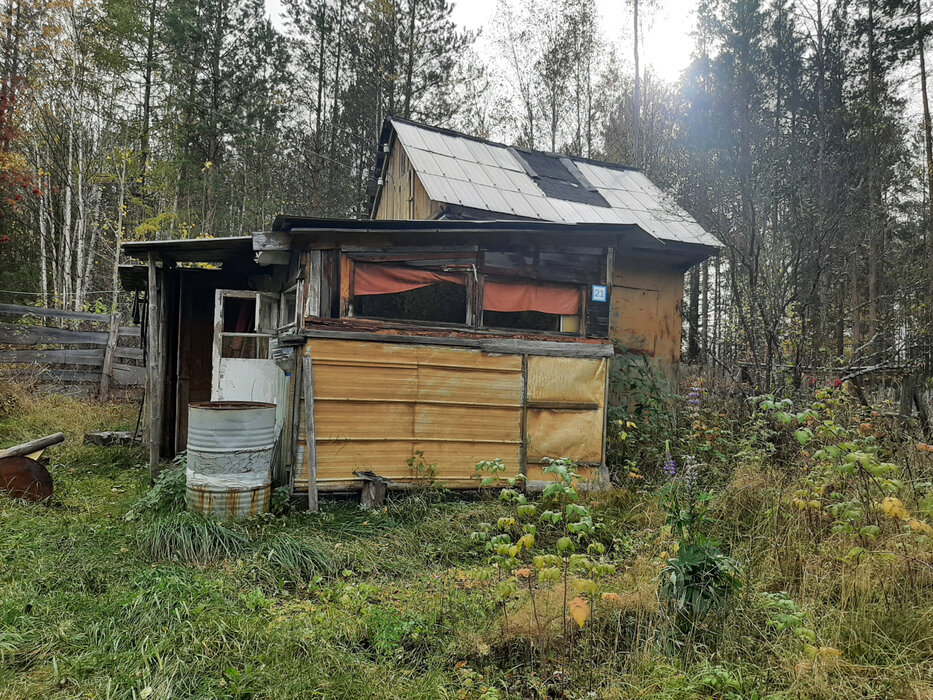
point(25, 478)
point(229, 457)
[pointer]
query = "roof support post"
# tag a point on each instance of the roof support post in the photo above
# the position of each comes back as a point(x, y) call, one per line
point(155, 365)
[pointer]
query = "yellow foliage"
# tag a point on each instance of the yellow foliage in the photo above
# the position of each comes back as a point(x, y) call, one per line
point(920, 526)
point(894, 508)
point(579, 611)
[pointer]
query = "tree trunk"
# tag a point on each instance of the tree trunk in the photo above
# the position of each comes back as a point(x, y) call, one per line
point(637, 105)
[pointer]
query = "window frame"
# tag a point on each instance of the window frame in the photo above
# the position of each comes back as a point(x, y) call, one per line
point(271, 300)
point(475, 290)
point(581, 315)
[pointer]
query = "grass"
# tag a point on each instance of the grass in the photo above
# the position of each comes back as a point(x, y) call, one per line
point(398, 603)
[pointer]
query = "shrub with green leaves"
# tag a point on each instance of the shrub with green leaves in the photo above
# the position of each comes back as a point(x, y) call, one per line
point(699, 579)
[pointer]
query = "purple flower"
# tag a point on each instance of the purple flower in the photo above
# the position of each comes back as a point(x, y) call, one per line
point(670, 466)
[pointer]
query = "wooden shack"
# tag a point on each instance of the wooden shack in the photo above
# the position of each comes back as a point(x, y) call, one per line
point(472, 316)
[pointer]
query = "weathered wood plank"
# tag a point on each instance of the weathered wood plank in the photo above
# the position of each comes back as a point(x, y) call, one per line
point(154, 379)
point(505, 346)
point(93, 357)
point(127, 375)
point(307, 380)
point(53, 313)
point(15, 334)
point(107, 370)
point(130, 332)
point(70, 376)
point(128, 353)
point(267, 240)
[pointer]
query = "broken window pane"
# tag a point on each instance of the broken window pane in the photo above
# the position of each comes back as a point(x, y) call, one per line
point(239, 315)
point(289, 308)
point(245, 347)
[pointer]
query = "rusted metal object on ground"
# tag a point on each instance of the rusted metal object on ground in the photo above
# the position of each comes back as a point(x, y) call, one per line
point(25, 478)
point(230, 447)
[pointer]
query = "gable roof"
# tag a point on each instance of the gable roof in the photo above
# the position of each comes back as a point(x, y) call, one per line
point(477, 178)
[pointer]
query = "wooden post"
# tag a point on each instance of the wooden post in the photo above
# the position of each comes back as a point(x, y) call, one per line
point(295, 419)
point(155, 367)
point(307, 381)
point(106, 374)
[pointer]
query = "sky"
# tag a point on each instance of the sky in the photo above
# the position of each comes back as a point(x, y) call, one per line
point(666, 40)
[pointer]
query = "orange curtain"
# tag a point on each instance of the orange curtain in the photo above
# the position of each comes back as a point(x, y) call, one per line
point(375, 278)
point(519, 296)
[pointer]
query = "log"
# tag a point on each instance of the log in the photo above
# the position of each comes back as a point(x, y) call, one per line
point(27, 448)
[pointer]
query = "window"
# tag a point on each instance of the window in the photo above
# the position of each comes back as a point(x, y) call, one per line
point(532, 306)
point(288, 308)
point(408, 293)
point(247, 321)
point(440, 289)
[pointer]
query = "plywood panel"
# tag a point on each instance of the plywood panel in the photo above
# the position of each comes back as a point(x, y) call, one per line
point(354, 419)
point(566, 379)
point(457, 460)
point(467, 422)
point(646, 314)
point(635, 318)
point(467, 358)
point(338, 459)
point(452, 384)
point(365, 383)
point(357, 351)
point(562, 433)
point(377, 403)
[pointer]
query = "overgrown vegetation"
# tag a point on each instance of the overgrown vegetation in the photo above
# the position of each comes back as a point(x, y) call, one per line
point(769, 550)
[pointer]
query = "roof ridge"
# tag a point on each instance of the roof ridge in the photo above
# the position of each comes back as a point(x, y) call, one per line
point(499, 144)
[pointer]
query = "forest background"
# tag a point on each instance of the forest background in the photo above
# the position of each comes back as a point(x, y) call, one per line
point(793, 136)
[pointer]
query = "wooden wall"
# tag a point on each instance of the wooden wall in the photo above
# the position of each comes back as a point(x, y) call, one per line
point(376, 404)
point(647, 301)
point(403, 196)
point(88, 351)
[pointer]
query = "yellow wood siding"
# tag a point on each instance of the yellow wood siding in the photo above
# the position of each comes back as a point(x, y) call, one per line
point(571, 431)
point(646, 314)
point(377, 403)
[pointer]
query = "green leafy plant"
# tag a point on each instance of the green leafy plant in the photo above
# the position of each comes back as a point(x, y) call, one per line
point(699, 579)
point(573, 563)
point(642, 415)
point(167, 494)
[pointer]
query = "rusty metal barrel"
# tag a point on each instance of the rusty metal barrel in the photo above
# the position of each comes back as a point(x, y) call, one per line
point(229, 457)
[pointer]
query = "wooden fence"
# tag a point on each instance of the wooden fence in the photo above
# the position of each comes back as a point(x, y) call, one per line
point(94, 352)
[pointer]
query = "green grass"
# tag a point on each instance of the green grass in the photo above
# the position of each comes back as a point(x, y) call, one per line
point(398, 603)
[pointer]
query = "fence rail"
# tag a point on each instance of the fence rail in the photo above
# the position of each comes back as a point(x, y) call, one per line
point(92, 350)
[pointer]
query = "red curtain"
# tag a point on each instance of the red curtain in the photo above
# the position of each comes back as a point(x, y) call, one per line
point(375, 278)
point(519, 296)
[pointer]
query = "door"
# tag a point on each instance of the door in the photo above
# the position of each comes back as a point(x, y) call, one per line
point(244, 329)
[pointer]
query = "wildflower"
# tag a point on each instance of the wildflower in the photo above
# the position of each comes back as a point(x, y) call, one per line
point(670, 466)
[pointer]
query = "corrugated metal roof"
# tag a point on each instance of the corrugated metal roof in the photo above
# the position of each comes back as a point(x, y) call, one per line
point(462, 170)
